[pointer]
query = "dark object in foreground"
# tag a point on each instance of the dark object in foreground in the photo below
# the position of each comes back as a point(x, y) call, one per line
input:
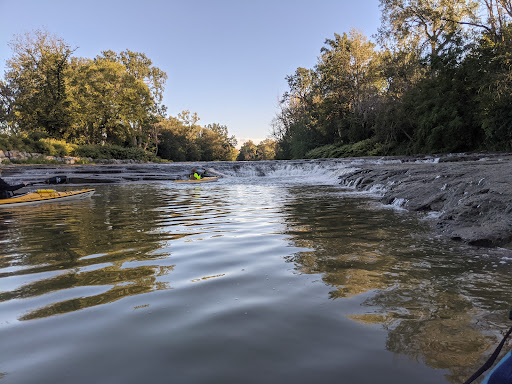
point(502, 373)
point(54, 180)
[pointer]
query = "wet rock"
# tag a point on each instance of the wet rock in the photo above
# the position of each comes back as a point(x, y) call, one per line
point(470, 195)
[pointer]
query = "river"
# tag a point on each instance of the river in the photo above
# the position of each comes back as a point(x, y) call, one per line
point(254, 279)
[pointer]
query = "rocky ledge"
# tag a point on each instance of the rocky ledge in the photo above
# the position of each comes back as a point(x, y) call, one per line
point(469, 197)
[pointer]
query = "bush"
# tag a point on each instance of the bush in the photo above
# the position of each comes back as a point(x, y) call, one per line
point(37, 143)
point(366, 147)
point(108, 152)
point(12, 143)
point(52, 147)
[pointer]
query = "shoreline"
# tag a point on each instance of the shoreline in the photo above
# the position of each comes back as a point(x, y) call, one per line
point(468, 196)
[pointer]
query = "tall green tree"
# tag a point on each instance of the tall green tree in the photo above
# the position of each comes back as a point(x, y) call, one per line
point(7, 99)
point(350, 83)
point(295, 126)
point(333, 102)
point(34, 93)
point(141, 68)
point(430, 26)
point(490, 68)
point(110, 105)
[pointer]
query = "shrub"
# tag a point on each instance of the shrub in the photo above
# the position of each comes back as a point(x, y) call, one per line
point(366, 147)
point(108, 152)
point(38, 143)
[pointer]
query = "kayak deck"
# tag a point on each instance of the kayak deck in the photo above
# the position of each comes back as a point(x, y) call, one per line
point(44, 195)
point(203, 180)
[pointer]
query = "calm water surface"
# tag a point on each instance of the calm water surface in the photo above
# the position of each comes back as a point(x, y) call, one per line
point(241, 281)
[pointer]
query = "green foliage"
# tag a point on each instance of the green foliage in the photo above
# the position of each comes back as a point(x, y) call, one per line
point(492, 66)
point(36, 80)
point(11, 143)
point(108, 107)
point(443, 83)
point(53, 147)
point(35, 144)
point(112, 99)
point(247, 151)
point(266, 150)
point(362, 148)
point(182, 139)
point(333, 102)
point(60, 148)
point(108, 152)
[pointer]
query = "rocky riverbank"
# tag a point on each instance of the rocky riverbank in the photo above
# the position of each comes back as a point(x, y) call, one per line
point(469, 197)
point(20, 156)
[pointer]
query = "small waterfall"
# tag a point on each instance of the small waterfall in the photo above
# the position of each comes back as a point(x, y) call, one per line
point(325, 170)
point(317, 171)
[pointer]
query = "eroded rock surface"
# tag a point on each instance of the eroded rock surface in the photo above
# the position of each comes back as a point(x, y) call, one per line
point(471, 199)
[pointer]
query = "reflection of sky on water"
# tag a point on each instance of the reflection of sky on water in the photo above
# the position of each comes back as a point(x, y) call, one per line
point(136, 240)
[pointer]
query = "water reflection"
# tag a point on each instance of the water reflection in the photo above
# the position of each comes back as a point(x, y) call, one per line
point(217, 252)
point(438, 301)
point(95, 251)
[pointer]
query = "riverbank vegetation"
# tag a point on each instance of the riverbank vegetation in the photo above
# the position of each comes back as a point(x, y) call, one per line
point(442, 82)
point(265, 150)
point(106, 107)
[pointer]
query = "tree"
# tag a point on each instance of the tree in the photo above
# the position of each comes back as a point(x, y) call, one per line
point(7, 100)
point(490, 69)
point(266, 150)
point(430, 26)
point(141, 68)
point(297, 111)
point(247, 151)
point(178, 137)
point(34, 94)
point(182, 139)
point(172, 144)
point(110, 105)
point(217, 143)
point(348, 70)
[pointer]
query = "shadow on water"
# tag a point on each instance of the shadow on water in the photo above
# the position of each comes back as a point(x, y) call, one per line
point(437, 300)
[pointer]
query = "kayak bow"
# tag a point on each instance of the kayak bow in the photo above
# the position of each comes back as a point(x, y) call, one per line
point(203, 180)
point(44, 196)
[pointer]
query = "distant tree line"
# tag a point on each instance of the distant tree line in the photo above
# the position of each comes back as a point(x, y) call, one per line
point(112, 100)
point(441, 82)
point(265, 150)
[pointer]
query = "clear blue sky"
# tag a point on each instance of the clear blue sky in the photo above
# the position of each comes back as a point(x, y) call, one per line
point(226, 59)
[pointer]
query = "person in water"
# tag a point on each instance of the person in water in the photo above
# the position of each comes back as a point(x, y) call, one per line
point(6, 190)
point(198, 174)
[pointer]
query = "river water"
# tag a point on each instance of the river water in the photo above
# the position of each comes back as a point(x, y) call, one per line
point(247, 280)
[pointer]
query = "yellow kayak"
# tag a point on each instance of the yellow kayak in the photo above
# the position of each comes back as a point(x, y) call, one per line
point(203, 180)
point(44, 196)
